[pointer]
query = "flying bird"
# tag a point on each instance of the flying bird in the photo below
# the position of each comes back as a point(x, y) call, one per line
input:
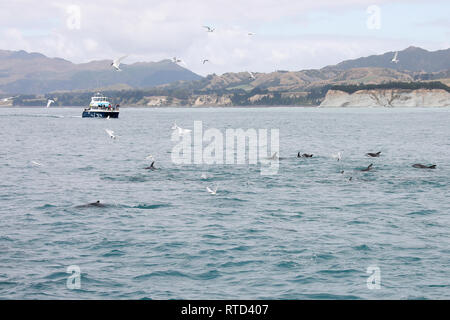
point(213, 192)
point(394, 59)
point(49, 102)
point(209, 29)
point(35, 163)
point(110, 133)
point(178, 61)
point(251, 76)
point(204, 176)
point(9, 98)
point(251, 34)
point(116, 63)
point(180, 130)
point(337, 156)
point(205, 60)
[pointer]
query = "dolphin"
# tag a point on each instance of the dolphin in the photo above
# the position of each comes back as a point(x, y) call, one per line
point(421, 166)
point(305, 155)
point(373, 155)
point(151, 167)
point(92, 204)
point(368, 168)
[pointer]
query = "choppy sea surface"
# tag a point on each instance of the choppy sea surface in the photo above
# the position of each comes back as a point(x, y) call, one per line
point(304, 233)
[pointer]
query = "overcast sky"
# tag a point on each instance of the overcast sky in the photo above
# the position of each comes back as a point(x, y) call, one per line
point(289, 35)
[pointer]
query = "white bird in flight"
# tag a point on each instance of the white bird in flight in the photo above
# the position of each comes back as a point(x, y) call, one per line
point(49, 102)
point(110, 133)
point(213, 192)
point(204, 176)
point(251, 75)
point(179, 130)
point(9, 98)
point(178, 61)
point(116, 63)
point(394, 59)
point(337, 156)
point(209, 29)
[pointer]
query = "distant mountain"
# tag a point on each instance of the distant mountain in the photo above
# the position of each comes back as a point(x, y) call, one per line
point(34, 73)
point(415, 64)
point(411, 59)
point(294, 81)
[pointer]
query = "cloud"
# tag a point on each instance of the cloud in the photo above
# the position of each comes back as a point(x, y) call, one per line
point(155, 30)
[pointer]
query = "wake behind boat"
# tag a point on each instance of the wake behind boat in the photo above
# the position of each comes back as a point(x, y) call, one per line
point(100, 107)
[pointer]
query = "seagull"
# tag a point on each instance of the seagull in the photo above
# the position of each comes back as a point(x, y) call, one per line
point(394, 59)
point(204, 176)
point(110, 133)
point(116, 63)
point(252, 77)
point(205, 60)
point(337, 156)
point(36, 163)
point(49, 102)
point(178, 61)
point(251, 34)
point(209, 29)
point(9, 98)
point(213, 192)
point(180, 131)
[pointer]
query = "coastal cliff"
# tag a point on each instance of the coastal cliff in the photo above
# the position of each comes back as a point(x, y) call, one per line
point(388, 98)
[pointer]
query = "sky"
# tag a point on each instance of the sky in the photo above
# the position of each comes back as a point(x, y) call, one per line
point(288, 35)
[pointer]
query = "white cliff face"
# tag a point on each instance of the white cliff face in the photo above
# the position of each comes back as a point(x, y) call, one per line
point(212, 100)
point(388, 98)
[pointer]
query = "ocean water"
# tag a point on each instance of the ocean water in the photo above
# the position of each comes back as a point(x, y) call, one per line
point(304, 233)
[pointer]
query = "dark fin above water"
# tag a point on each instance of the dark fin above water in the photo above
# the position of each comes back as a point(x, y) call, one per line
point(422, 166)
point(374, 154)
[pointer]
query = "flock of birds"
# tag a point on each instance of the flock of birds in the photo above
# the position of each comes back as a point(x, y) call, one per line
point(181, 131)
point(116, 62)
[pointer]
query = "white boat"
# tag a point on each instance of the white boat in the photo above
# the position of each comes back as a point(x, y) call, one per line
point(100, 107)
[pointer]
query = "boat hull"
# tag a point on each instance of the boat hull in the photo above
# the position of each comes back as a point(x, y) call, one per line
point(100, 114)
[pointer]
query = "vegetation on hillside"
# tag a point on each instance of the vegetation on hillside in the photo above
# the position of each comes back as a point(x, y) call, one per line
point(392, 85)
